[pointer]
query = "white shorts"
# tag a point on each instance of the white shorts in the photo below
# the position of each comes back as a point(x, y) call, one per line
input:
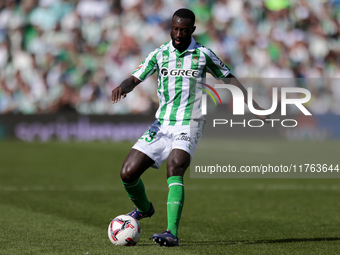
point(159, 140)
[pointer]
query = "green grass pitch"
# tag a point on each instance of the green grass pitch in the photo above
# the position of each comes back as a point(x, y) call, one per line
point(58, 198)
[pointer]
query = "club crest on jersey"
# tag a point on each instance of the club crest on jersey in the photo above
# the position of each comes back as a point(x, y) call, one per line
point(179, 72)
point(194, 60)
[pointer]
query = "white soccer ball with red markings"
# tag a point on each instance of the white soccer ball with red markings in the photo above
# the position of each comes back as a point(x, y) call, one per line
point(124, 230)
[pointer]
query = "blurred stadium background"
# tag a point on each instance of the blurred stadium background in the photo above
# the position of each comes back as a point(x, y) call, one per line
point(59, 61)
point(60, 58)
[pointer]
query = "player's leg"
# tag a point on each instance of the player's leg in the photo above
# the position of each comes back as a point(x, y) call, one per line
point(135, 164)
point(178, 162)
point(185, 140)
point(150, 150)
point(133, 167)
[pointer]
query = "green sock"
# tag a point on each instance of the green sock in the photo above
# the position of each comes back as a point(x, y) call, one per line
point(175, 202)
point(136, 192)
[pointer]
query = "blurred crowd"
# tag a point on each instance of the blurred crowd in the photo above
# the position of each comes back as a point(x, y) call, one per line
point(64, 56)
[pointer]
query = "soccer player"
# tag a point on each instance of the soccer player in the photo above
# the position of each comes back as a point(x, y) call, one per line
point(181, 64)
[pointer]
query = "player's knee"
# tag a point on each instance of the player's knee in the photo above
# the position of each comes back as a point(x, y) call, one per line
point(127, 173)
point(176, 168)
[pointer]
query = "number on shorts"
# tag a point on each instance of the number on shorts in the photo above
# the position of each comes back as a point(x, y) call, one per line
point(148, 136)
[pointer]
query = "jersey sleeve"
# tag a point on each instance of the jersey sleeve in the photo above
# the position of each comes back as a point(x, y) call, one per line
point(147, 68)
point(215, 66)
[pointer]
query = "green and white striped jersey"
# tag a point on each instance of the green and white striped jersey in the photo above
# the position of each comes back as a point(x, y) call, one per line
point(178, 91)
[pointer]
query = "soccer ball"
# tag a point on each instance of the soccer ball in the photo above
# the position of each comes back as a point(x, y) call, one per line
point(124, 230)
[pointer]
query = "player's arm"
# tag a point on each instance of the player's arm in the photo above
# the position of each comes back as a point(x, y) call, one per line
point(125, 87)
point(231, 79)
point(142, 72)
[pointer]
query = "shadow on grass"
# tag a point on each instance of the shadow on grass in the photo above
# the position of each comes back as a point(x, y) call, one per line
point(288, 240)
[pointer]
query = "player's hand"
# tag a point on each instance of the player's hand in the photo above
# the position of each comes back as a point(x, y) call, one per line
point(117, 94)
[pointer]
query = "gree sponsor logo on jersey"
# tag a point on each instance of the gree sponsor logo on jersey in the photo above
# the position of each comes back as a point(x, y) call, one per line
point(179, 72)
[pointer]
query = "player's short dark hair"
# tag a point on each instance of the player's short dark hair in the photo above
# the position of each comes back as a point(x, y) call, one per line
point(185, 14)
